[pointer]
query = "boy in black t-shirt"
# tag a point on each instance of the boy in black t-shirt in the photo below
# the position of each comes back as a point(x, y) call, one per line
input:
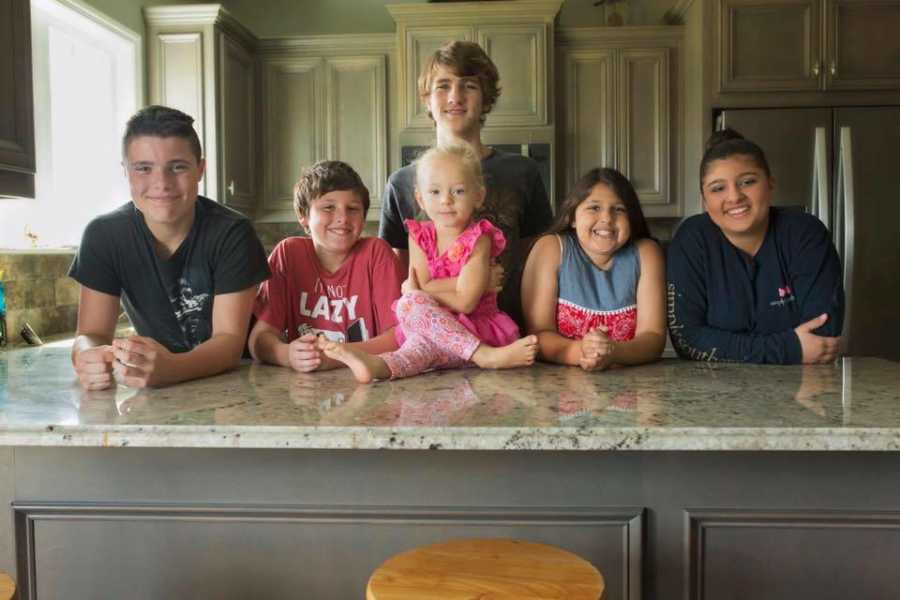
point(186, 268)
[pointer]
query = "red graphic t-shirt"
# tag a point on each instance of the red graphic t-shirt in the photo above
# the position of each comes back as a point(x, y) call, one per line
point(353, 304)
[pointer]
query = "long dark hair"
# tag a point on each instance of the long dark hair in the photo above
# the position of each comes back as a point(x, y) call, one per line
point(620, 186)
point(727, 143)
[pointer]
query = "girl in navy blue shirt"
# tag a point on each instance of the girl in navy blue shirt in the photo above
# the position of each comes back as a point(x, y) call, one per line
point(747, 281)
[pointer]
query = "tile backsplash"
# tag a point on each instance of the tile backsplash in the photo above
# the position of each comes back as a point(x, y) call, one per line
point(39, 292)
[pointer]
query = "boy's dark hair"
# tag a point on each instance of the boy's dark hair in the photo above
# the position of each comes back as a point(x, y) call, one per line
point(465, 59)
point(620, 186)
point(727, 143)
point(162, 121)
point(323, 177)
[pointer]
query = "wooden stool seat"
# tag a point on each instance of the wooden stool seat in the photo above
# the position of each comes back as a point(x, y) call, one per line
point(7, 587)
point(486, 568)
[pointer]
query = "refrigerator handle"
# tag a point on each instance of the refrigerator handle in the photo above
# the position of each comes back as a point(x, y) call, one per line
point(844, 210)
point(821, 205)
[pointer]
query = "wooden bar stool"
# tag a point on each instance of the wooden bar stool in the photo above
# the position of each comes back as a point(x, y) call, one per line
point(485, 568)
point(7, 587)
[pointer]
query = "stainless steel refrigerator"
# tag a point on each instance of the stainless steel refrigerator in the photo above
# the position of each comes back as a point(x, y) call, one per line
point(843, 165)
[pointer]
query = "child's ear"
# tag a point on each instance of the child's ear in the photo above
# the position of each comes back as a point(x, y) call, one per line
point(482, 194)
point(304, 222)
point(419, 199)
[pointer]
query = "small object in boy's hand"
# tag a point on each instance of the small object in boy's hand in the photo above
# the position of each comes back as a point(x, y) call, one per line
point(303, 329)
point(30, 336)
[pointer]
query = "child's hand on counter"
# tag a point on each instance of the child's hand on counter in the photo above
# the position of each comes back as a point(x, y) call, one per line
point(94, 367)
point(141, 361)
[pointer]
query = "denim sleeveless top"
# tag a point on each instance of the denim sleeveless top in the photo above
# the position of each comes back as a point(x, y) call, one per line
point(590, 296)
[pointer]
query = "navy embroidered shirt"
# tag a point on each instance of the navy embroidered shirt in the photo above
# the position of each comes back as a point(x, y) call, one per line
point(725, 305)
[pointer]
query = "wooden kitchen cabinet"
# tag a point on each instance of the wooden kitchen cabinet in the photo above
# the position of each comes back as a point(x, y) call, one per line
point(17, 161)
point(517, 36)
point(808, 45)
point(325, 98)
point(237, 120)
point(863, 40)
point(770, 45)
point(618, 106)
point(202, 61)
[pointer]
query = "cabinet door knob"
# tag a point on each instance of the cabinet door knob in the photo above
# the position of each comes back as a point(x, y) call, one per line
point(815, 69)
point(231, 187)
point(833, 68)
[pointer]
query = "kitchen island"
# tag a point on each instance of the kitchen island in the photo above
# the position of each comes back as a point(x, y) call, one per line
point(677, 479)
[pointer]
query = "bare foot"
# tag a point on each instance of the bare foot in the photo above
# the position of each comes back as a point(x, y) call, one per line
point(366, 367)
point(520, 353)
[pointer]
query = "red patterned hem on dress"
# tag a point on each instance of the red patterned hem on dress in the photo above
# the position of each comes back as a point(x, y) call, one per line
point(573, 321)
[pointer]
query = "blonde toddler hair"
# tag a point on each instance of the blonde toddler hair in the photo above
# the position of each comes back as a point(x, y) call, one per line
point(461, 151)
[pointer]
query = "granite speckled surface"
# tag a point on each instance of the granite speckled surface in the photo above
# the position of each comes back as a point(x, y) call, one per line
point(670, 405)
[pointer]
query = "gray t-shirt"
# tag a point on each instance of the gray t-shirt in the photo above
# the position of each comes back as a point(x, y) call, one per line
point(516, 202)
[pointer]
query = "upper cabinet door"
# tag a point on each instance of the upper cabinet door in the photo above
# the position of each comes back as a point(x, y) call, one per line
point(16, 100)
point(587, 109)
point(238, 131)
point(293, 126)
point(421, 42)
point(863, 44)
point(520, 53)
point(356, 119)
point(643, 150)
point(770, 45)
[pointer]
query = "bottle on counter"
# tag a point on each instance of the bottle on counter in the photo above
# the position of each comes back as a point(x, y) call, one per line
point(2, 312)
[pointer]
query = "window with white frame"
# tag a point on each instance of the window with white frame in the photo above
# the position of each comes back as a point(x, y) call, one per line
point(86, 84)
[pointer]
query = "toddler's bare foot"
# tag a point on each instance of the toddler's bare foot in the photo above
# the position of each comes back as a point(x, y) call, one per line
point(366, 367)
point(520, 353)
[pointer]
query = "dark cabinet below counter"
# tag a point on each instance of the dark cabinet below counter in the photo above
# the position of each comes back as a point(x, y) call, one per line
point(148, 523)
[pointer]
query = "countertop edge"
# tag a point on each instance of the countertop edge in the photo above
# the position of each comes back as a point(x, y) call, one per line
point(459, 438)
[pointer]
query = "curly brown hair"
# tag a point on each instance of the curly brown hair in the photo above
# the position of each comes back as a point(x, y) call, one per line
point(466, 59)
point(323, 177)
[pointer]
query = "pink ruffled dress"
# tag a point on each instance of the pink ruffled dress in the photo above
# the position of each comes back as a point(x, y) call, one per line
point(487, 321)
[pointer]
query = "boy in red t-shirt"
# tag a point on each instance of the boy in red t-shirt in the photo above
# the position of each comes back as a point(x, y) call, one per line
point(333, 283)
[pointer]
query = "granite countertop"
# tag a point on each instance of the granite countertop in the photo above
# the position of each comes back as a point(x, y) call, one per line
point(669, 405)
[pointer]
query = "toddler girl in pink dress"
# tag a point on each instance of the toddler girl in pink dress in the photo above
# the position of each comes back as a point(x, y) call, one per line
point(448, 315)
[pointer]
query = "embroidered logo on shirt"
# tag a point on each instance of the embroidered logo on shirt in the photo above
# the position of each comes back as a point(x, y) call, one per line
point(785, 295)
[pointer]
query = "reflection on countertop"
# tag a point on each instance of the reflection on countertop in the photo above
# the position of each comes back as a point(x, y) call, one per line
point(669, 405)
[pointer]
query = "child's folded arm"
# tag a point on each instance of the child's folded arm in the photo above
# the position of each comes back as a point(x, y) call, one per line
point(472, 282)
point(650, 334)
point(448, 284)
point(540, 291)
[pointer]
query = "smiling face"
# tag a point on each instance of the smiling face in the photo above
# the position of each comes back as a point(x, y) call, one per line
point(164, 176)
point(335, 221)
point(601, 224)
point(455, 102)
point(448, 192)
point(737, 194)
